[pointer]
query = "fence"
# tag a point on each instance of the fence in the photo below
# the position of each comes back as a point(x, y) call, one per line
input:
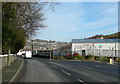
point(6, 60)
point(99, 52)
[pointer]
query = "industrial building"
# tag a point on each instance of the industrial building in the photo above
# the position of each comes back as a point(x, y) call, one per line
point(96, 47)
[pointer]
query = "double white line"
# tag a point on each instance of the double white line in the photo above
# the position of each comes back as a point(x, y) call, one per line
point(54, 66)
point(81, 81)
point(68, 73)
point(62, 70)
point(65, 72)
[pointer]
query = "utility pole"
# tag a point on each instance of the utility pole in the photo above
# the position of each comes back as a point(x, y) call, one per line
point(32, 46)
point(50, 44)
point(112, 52)
point(113, 55)
point(50, 51)
point(115, 50)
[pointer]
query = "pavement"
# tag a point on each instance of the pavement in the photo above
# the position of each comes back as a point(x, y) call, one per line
point(45, 70)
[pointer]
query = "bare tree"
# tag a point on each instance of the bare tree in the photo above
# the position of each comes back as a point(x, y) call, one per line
point(30, 16)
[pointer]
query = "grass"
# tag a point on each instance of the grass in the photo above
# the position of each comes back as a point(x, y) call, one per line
point(86, 57)
point(118, 59)
point(9, 71)
point(78, 57)
point(90, 57)
point(105, 59)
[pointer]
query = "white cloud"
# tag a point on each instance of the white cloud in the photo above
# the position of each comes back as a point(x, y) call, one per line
point(104, 22)
point(81, 0)
point(70, 24)
point(59, 0)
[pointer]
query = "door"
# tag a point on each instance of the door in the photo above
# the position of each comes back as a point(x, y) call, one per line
point(83, 52)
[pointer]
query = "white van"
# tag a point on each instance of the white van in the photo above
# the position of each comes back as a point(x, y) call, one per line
point(21, 53)
point(28, 54)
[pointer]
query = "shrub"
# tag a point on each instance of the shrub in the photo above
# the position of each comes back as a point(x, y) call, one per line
point(68, 56)
point(87, 56)
point(118, 59)
point(77, 56)
point(62, 57)
point(97, 58)
point(104, 59)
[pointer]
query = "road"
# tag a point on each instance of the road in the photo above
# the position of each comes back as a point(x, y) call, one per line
point(45, 70)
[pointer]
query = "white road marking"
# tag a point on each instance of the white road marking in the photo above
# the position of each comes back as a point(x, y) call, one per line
point(65, 72)
point(80, 80)
point(52, 62)
point(54, 66)
point(60, 69)
point(86, 67)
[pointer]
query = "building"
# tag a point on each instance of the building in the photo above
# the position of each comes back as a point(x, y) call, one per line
point(96, 37)
point(96, 47)
point(38, 44)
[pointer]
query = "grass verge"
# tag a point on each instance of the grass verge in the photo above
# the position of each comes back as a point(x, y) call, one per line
point(9, 71)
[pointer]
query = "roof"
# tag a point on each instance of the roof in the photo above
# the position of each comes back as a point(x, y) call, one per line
point(95, 40)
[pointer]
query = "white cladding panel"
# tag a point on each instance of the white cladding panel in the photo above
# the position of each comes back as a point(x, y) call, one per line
point(97, 49)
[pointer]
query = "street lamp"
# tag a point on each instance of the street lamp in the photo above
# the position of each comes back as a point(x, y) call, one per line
point(112, 52)
point(115, 50)
point(32, 46)
point(50, 51)
point(50, 45)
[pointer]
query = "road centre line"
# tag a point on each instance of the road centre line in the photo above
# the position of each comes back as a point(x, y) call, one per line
point(54, 66)
point(81, 81)
point(61, 69)
point(52, 62)
point(65, 72)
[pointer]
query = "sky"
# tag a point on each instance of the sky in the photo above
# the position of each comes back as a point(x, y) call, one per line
point(78, 20)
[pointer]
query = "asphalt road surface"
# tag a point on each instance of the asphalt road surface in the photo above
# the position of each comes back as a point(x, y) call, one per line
point(45, 70)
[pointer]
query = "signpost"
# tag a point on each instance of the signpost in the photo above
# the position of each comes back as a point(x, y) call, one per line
point(99, 45)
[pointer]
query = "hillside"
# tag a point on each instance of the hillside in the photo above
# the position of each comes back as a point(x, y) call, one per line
point(110, 36)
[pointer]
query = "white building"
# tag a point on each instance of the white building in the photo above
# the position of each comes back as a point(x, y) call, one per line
point(96, 47)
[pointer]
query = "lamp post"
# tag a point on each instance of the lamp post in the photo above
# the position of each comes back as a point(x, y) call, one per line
point(50, 43)
point(115, 50)
point(99, 51)
point(50, 52)
point(32, 46)
point(112, 52)
point(111, 60)
point(100, 45)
